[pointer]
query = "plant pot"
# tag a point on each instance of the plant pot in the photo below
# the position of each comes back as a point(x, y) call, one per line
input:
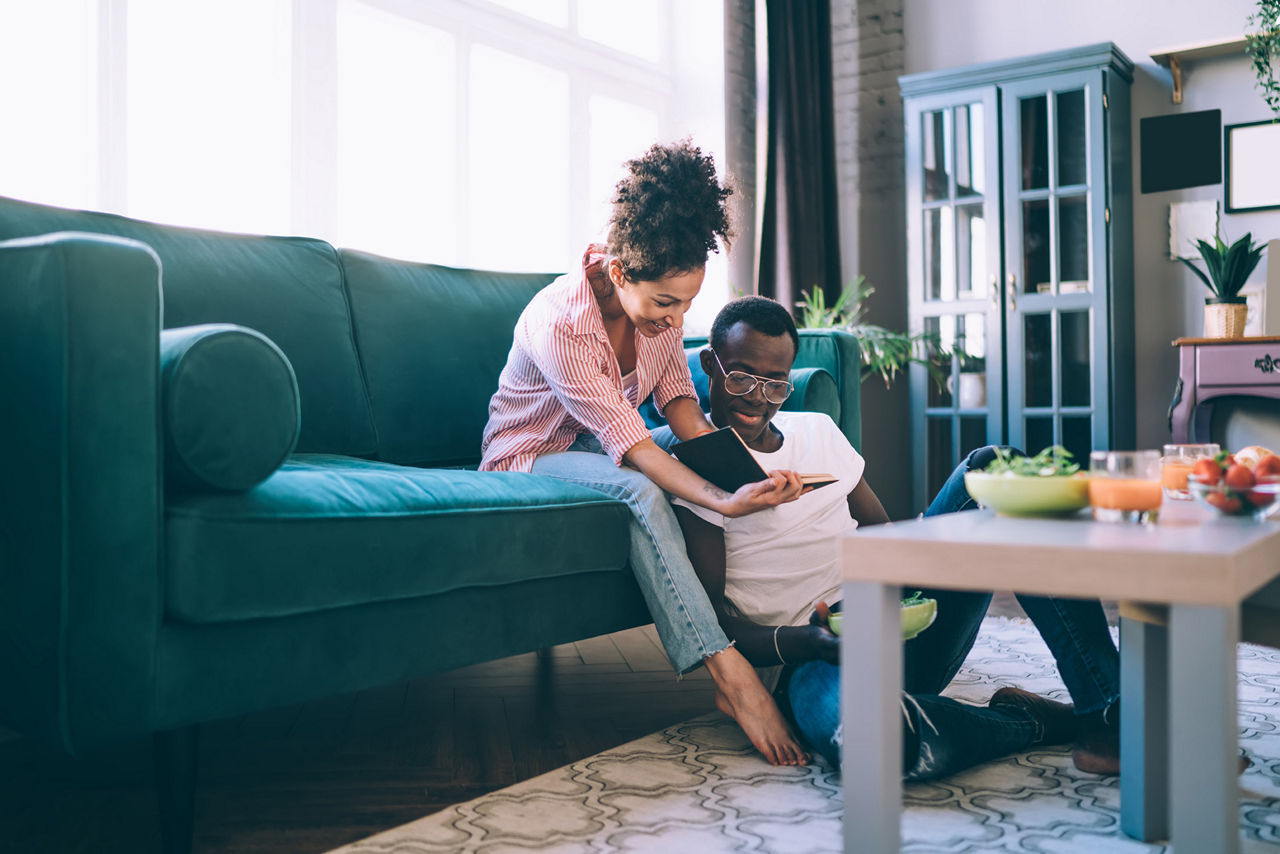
point(1224, 318)
point(972, 393)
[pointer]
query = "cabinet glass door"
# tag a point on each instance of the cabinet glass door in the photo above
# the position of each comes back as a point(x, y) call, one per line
point(953, 210)
point(1055, 256)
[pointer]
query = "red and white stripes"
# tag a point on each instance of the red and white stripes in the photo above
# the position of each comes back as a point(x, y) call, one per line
point(562, 378)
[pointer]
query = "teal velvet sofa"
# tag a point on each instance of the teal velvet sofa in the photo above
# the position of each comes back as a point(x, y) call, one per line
point(137, 601)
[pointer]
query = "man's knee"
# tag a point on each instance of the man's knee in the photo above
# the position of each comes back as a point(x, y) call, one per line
point(980, 458)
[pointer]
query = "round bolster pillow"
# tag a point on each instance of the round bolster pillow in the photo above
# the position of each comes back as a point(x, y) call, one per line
point(229, 406)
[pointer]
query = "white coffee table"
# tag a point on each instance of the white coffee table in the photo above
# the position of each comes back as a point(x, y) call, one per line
point(1178, 683)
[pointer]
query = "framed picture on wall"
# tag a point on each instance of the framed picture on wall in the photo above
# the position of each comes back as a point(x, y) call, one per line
point(1255, 322)
point(1253, 166)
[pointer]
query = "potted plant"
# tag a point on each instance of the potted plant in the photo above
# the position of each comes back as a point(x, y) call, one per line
point(1264, 50)
point(1228, 268)
point(882, 350)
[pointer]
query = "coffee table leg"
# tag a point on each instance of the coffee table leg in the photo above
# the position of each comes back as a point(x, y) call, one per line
point(870, 685)
point(1144, 729)
point(1204, 789)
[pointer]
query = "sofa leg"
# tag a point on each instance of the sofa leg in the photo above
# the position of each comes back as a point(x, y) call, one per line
point(176, 755)
point(544, 690)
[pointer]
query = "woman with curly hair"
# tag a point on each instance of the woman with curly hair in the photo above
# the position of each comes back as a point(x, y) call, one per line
point(588, 350)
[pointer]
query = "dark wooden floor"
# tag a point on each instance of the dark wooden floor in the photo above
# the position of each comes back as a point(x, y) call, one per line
point(312, 777)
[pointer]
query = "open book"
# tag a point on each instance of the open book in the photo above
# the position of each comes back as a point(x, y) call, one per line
point(723, 458)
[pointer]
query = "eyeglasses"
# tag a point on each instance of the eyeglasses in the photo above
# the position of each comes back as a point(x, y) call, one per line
point(741, 383)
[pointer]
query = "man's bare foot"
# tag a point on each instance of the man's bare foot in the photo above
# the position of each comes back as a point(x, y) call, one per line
point(741, 696)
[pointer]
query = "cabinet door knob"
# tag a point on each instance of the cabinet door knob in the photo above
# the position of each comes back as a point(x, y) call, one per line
point(1013, 291)
point(995, 293)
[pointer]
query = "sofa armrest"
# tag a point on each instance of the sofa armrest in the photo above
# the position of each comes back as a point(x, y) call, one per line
point(837, 352)
point(80, 601)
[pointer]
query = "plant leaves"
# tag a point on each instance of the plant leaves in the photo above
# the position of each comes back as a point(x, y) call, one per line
point(882, 351)
point(1227, 268)
point(1208, 284)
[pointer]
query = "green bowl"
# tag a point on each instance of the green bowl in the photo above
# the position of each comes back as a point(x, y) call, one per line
point(915, 618)
point(1022, 495)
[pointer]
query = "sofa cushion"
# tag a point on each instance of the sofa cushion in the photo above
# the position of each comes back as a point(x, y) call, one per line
point(433, 340)
point(230, 406)
point(330, 532)
point(288, 288)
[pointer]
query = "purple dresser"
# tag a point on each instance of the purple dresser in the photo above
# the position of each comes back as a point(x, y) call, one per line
point(1211, 368)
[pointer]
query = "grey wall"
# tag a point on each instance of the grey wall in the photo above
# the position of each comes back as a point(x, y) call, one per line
point(1167, 300)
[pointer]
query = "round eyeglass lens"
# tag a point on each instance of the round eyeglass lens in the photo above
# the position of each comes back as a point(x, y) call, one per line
point(777, 391)
point(736, 382)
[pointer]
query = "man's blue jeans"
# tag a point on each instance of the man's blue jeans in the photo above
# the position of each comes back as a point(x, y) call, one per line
point(1074, 630)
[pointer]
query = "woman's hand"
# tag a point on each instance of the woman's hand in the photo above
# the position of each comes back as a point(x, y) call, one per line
point(778, 488)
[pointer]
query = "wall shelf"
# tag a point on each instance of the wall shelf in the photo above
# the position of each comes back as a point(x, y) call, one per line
point(1172, 58)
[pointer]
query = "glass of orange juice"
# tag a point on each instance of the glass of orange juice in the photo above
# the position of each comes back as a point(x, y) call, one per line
point(1177, 463)
point(1124, 486)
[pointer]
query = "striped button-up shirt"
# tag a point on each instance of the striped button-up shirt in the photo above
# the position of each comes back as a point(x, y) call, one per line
point(562, 378)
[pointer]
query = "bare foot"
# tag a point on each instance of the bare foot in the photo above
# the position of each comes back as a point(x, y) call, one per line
point(741, 696)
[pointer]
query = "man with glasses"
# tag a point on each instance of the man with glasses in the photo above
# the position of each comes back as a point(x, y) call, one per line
point(770, 574)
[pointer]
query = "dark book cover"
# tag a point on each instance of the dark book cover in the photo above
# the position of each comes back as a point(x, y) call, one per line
point(723, 458)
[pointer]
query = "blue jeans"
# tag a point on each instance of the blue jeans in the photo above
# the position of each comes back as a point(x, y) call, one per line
point(940, 737)
point(1074, 630)
point(685, 620)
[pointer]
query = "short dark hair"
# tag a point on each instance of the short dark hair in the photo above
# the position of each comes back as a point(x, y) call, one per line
point(760, 313)
point(668, 212)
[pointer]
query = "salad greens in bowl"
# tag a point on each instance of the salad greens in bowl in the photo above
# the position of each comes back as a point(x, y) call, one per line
point(1048, 484)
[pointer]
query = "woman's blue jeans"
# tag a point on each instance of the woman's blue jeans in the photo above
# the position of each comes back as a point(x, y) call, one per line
point(1074, 630)
point(682, 613)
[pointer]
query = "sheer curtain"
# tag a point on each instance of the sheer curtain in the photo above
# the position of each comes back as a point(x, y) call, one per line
point(485, 133)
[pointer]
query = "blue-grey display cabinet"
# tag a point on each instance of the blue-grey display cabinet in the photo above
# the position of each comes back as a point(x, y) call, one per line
point(1019, 256)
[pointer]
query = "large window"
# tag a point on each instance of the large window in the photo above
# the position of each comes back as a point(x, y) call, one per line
point(482, 133)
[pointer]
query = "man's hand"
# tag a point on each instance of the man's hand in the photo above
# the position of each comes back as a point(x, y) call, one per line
point(822, 641)
point(778, 488)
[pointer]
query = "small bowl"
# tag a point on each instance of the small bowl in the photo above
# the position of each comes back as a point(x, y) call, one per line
point(915, 618)
point(1257, 503)
point(1023, 495)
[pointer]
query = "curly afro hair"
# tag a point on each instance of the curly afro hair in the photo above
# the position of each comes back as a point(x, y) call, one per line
point(668, 212)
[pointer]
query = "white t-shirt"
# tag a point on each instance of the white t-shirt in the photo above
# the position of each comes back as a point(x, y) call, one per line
point(631, 387)
point(780, 561)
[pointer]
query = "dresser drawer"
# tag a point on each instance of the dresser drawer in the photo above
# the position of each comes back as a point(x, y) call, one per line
point(1238, 364)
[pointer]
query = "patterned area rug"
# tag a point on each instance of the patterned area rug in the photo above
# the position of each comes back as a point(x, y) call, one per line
point(699, 786)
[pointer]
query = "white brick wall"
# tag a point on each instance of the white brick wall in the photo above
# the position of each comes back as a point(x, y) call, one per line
point(866, 42)
point(867, 57)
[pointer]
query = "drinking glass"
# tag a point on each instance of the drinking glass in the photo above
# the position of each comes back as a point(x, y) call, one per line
point(1124, 486)
point(1177, 463)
